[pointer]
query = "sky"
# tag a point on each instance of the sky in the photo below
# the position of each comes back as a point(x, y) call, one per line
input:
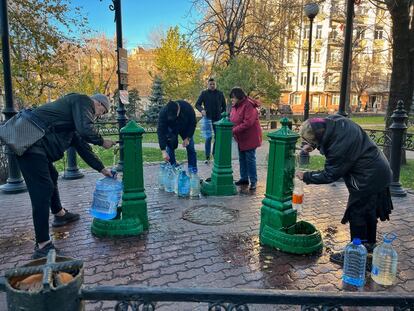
point(139, 17)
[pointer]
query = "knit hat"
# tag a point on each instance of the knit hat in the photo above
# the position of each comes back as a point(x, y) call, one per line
point(312, 130)
point(104, 100)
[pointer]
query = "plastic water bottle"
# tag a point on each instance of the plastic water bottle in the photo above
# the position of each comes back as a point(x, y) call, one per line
point(169, 178)
point(206, 127)
point(177, 171)
point(161, 177)
point(297, 197)
point(183, 185)
point(194, 184)
point(355, 258)
point(106, 197)
point(384, 261)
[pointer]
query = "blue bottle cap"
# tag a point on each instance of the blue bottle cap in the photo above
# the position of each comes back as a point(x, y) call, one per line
point(389, 237)
point(356, 241)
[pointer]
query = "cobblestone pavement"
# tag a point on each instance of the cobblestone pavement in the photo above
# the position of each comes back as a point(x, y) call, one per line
point(178, 253)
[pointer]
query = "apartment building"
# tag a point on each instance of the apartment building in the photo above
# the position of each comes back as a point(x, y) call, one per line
point(371, 59)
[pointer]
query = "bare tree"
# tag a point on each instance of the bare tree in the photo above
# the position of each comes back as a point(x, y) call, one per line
point(258, 29)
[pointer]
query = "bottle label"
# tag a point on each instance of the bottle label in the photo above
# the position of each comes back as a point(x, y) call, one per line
point(297, 198)
point(375, 270)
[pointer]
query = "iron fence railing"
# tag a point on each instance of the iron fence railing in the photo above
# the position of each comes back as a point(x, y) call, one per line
point(134, 298)
point(110, 128)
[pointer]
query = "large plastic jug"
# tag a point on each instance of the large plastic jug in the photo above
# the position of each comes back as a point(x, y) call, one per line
point(384, 261)
point(169, 178)
point(194, 184)
point(106, 197)
point(161, 174)
point(177, 171)
point(206, 127)
point(355, 258)
point(183, 185)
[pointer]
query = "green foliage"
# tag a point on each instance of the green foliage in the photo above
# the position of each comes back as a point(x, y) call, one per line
point(156, 102)
point(41, 36)
point(251, 76)
point(134, 104)
point(180, 71)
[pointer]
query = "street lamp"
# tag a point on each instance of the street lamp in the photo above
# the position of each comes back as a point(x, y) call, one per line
point(15, 181)
point(347, 56)
point(122, 77)
point(311, 10)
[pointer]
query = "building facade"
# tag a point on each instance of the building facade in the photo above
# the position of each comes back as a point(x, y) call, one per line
point(370, 64)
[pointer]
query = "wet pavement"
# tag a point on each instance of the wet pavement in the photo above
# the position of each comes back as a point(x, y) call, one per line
point(178, 253)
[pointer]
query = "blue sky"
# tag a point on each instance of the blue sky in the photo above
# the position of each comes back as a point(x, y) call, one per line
point(139, 17)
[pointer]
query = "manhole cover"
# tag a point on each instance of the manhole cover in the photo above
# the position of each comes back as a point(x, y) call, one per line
point(210, 215)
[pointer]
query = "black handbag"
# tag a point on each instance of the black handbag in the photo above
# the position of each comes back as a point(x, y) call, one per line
point(22, 131)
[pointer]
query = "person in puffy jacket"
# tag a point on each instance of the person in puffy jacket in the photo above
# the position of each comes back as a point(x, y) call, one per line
point(351, 155)
point(70, 121)
point(248, 134)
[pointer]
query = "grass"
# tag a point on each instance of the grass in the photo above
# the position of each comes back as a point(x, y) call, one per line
point(406, 173)
point(148, 154)
point(368, 120)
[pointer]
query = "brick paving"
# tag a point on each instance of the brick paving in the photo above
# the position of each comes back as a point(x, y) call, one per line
point(177, 253)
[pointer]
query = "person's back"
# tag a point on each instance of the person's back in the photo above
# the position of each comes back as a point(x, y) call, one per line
point(351, 154)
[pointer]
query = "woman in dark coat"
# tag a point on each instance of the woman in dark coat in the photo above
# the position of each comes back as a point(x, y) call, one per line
point(351, 155)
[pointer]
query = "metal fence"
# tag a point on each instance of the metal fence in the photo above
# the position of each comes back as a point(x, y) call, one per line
point(134, 298)
point(110, 128)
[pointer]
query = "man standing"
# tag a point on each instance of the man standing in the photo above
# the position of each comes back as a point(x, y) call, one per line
point(70, 122)
point(211, 104)
point(177, 118)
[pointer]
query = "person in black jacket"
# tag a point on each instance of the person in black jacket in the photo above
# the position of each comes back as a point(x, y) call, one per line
point(352, 155)
point(70, 121)
point(177, 118)
point(211, 103)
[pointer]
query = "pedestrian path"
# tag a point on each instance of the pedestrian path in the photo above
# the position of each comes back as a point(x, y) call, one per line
point(178, 253)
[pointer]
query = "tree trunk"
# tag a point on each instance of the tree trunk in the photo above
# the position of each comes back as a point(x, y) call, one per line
point(400, 88)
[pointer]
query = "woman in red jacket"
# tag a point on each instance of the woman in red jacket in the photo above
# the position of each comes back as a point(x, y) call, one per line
point(248, 134)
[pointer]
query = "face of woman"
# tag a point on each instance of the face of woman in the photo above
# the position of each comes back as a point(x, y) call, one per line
point(234, 100)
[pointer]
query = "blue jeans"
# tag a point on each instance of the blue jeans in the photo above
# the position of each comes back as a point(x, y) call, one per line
point(191, 155)
point(207, 145)
point(247, 160)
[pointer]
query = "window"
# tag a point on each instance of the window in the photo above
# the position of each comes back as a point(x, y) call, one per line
point(290, 56)
point(291, 33)
point(360, 33)
point(335, 100)
point(317, 56)
point(306, 33)
point(335, 55)
point(379, 32)
point(297, 99)
point(319, 32)
point(315, 78)
point(289, 79)
point(304, 57)
point(334, 34)
point(303, 78)
point(354, 100)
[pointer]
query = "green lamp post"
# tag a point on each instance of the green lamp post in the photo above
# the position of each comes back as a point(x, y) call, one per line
point(134, 217)
point(278, 224)
point(221, 182)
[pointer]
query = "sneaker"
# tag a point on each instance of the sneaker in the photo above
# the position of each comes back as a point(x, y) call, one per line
point(42, 252)
point(241, 182)
point(252, 186)
point(69, 217)
point(337, 258)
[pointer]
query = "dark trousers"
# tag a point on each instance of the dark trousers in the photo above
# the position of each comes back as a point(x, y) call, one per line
point(247, 160)
point(41, 180)
point(191, 155)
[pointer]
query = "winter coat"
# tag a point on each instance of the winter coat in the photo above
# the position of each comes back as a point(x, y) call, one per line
point(351, 154)
point(70, 120)
point(246, 130)
point(184, 125)
point(214, 104)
